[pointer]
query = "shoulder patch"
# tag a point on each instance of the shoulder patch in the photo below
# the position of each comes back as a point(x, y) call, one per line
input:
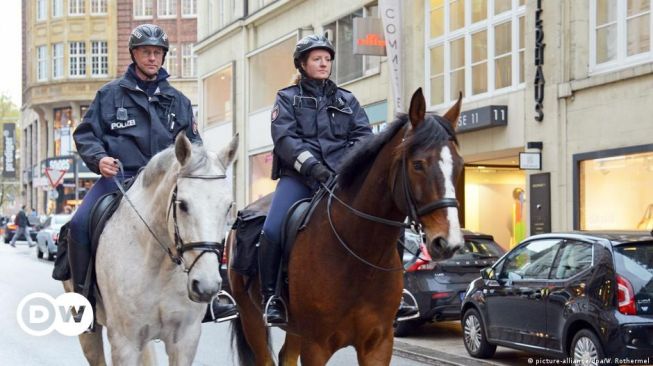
point(275, 112)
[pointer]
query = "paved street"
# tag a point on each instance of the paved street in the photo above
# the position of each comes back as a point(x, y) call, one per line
point(21, 273)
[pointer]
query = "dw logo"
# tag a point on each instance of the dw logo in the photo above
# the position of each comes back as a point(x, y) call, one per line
point(38, 314)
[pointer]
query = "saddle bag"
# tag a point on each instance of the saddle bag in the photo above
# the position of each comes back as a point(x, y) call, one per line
point(61, 270)
point(248, 226)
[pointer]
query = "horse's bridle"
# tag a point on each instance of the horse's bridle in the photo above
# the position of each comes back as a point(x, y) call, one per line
point(180, 247)
point(414, 212)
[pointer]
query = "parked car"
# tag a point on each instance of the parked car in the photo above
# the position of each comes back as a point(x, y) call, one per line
point(438, 287)
point(10, 229)
point(47, 237)
point(582, 295)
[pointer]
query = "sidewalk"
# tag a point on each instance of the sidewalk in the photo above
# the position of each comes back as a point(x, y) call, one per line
point(442, 344)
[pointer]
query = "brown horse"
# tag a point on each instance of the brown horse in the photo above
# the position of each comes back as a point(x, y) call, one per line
point(344, 273)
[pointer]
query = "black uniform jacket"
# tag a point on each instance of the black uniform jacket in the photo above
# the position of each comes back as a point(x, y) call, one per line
point(313, 122)
point(124, 123)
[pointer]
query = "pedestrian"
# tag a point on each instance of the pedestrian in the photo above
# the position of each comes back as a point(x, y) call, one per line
point(130, 120)
point(314, 124)
point(22, 228)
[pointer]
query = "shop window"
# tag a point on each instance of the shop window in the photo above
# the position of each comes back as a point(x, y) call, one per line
point(492, 31)
point(63, 125)
point(260, 170)
point(620, 33)
point(615, 190)
point(270, 70)
point(348, 66)
point(218, 96)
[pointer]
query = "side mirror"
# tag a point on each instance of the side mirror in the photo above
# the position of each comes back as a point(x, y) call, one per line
point(488, 274)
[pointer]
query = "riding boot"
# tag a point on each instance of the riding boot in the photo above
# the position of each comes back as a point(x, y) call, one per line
point(269, 259)
point(79, 256)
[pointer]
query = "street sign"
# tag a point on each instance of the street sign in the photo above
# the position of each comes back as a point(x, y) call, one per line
point(54, 176)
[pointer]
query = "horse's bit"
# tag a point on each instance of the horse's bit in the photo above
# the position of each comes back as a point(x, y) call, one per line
point(180, 246)
point(414, 212)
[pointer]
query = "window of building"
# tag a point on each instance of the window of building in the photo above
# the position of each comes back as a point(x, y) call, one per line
point(167, 8)
point(477, 51)
point(172, 61)
point(99, 58)
point(98, 7)
point(270, 70)
point(41, 63)
point(76, 7)
point(620, 33)
point(57, 60)
point(63, 121)
point(260, 171)
point(57, 8)
point(188, 60)
point(189, 8)
point(348, 66)
point(221, 13)
point(143, 9)
point(614, 189)
point(218, 96)
point(41, 10)
point(77, 59)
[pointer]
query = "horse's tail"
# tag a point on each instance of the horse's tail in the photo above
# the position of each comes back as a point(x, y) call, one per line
point(246, 355)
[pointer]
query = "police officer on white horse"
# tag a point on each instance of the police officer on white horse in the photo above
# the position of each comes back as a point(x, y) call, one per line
point(130, 120)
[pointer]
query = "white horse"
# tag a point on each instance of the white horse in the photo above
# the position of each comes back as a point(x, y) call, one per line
point(156, 285)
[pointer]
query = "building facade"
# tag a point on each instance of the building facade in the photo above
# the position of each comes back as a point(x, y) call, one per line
point(73, 47)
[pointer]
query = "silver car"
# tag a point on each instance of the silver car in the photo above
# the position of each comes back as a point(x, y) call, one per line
point(46, 239)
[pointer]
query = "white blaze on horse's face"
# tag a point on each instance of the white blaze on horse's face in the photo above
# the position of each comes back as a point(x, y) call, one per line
point(454, 237)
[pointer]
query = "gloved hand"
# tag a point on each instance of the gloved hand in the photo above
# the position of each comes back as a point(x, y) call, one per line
point(320, 173)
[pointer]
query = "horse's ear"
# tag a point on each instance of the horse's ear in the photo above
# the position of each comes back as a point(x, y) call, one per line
point(182, 149)
point(228, 154)
point(454, 112)
point(417, 108)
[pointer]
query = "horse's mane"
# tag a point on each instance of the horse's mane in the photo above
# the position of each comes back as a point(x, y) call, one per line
point(161, 163)
point(431, 132)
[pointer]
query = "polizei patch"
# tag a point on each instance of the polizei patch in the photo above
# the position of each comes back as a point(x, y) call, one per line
point(119, 125)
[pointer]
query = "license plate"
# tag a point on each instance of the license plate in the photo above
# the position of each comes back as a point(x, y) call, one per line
point(462, 295)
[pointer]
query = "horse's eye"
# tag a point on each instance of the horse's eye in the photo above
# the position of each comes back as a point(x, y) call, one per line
point(418, 165)
point(183, 206)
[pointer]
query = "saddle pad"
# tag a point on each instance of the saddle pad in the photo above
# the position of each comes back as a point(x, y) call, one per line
point(100, 214)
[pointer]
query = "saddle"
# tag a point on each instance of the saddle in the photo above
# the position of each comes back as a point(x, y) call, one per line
point(249, 225)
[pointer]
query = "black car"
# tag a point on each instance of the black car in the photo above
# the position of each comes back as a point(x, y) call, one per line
point(438, 287)
point(583, 295)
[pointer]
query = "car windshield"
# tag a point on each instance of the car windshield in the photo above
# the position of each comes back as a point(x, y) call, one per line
point(479, 248)
point(634, 261)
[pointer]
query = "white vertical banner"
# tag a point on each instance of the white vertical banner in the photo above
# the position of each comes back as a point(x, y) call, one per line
point(391, 17)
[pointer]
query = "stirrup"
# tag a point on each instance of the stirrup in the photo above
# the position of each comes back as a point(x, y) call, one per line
point(412, 301)
point(231, 300)
point(267, 306)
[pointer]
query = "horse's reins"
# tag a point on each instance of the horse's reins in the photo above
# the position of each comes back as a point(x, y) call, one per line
point(180, 246)
point(414, 213)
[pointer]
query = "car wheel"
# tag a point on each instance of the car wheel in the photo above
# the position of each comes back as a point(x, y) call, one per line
point(406, 328)
point(586, 348)
point(39, 253)
point(474, 336)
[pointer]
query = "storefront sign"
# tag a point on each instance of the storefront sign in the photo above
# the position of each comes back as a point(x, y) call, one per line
point(391, 16)
point(9, 151)
point(540, 207)
point(64, 163)
point(484, 117)
point(368, 37)
point(539, 61)
point(530, 161)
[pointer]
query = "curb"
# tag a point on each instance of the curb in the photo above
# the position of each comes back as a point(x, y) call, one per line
point(430, 356)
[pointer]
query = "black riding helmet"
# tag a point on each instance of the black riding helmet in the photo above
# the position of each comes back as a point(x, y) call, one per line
point(308, 44)
point(148, 35)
